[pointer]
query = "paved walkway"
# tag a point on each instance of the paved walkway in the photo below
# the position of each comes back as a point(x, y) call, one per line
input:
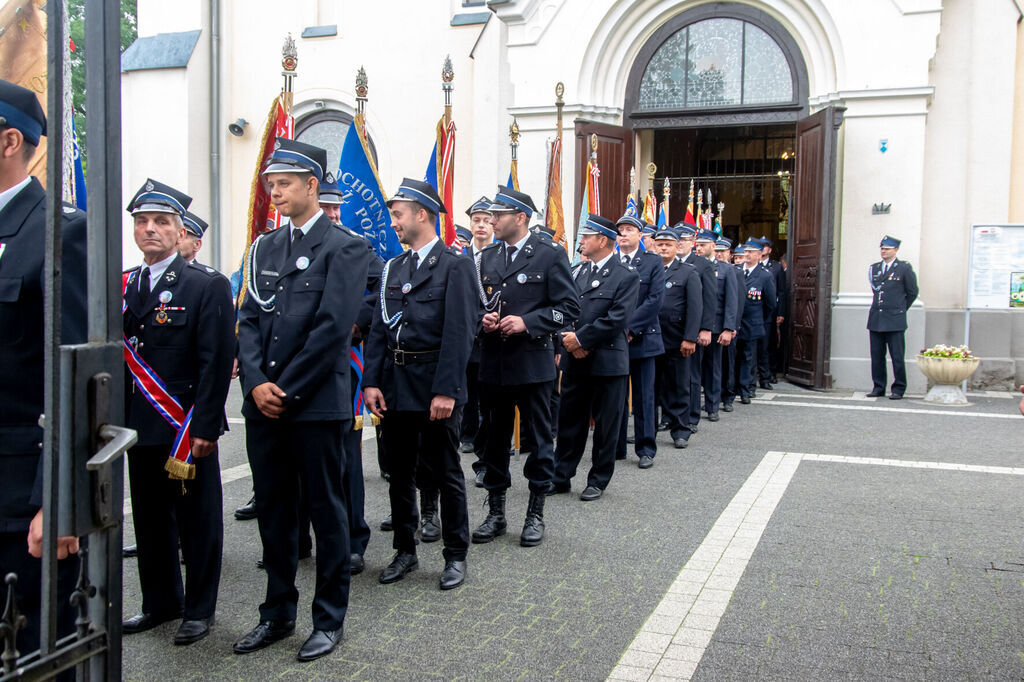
point(805, 536)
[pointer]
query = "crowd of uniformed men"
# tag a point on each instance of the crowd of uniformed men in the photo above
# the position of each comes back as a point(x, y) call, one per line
point(669, 325)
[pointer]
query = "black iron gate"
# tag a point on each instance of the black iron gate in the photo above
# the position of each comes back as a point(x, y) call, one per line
point(82, 448)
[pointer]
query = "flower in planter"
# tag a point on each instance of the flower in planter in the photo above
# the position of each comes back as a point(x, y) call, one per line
point(941, 350)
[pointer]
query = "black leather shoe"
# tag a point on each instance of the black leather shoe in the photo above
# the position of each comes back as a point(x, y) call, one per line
point(247, 511)
point(385, 524)
point(875, 394)
point(713, 417)
point(693, 428)
point(494, 525)
point(727, 407)
point(466, 447)
point(403, 563)
point(590, 493)
point(774, 379)
point(745, 399)
point(146, 621)
point(645, 462)
point(263, 635)
point(895, 396)
point(766, 386)
point(533, 527)
point(479, 480)
point(130, 552)
point(559, 488)
point(680, 443)
point(356, 564)
point(453, 575)
point(630, 439)
point(192, 630)
point(259, 564)
point(319, 643)
point(663, 425)
point(430, 527)
point(619, 458)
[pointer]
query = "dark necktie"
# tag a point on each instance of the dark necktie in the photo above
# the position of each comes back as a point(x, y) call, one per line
point(509, 252)
point(144, 285)
point(625, 260)
point(414, 262)
point(746, 272)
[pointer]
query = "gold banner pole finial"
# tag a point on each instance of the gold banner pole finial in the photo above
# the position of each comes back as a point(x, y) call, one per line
point(513, 138)
point(559, 103)
point(651, 170)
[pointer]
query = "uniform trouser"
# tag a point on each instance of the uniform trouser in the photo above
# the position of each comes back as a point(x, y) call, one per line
point(534, 403)
point(676, 396)
point(285, 455)
point(14, 558)
point(484, 428)
point(555, 403)
point(773, 347)
point(897, 346)
point(585, 397)
point(425, 453)
point(712, 375)
point(696, 378)
point(355, 487)
point(729, 371)
point(472, 410)
point(162, 511)
point(747, 358)
point(641, 376)
point(764, 370)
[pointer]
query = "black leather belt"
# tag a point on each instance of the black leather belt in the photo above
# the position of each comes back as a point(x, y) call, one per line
point(409, 357)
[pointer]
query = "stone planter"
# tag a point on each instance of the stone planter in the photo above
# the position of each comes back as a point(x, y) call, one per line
point(945, 376)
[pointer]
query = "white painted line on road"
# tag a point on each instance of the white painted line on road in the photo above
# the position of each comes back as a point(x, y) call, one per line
point(952, 412)
point(672, 642)
point(236, 420)
point(858, 396)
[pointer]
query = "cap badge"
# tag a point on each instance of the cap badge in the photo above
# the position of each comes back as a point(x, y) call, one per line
point(277, 145)
point(521, 278)
point(302, 262)
point(149, 186)
point(166, 296)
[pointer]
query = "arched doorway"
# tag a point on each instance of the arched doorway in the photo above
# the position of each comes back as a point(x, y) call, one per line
point(718, 95)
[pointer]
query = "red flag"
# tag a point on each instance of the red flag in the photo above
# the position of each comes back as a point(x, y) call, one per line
point(446, 177)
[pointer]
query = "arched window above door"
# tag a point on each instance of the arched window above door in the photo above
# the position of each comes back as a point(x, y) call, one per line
point(713, 63)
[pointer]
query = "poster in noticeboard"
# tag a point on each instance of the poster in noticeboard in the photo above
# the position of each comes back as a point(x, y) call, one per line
point(995, 276)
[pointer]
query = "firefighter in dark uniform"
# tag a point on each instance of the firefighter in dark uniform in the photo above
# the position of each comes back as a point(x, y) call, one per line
point(195, 228)
point(723, 253)
point(726, 319)
point(894, 290)
point(759, 285)
point(595, 364)
point(528, 295)
point(474, 424)
point(294, 331)
point(781, 309)
point(22, 245)
point(680, 315)
point(708, 315)
point(645, 343)
point(415, 379)
point(179, 319)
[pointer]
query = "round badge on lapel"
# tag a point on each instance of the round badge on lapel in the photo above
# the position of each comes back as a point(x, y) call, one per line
point(302, 262)
point(668, 285)
point(521, 278)
point(595, 283)
point(406, 288)
point(166, 296)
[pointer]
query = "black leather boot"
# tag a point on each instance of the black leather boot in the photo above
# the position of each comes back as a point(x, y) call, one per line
point(494, 525)
point(533, 529)
point(430, 525)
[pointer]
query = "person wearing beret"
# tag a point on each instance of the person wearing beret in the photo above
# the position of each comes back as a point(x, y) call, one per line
point(22, 252)
point(595, 366)
point(645, 343)
point(294, 335)
point(894, 290)
point(179, 324)
point(528, 296)
point(420, 340)
point(759, 285)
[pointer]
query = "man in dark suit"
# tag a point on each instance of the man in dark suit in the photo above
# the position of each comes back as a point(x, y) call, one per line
point(195, 229)
point(474, 422)
point(595, 366)
point(709, 313)
point(894, 290)
point(760, 302)
point(680, 316)
point(22, 249)
point(179, 320)
point(768, 347)
point(645, 343)
point(726, 320)
point(730, 372)
point(528, 296)
point(294, 331)
point(415, 379)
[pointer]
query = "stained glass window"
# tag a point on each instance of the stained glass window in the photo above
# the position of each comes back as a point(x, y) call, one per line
point(716, 63)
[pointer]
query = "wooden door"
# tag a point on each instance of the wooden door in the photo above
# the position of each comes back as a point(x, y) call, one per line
point(614, 159)
point(811, 248)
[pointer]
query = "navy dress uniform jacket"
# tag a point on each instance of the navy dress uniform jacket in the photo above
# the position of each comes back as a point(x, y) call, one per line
point(781, 288)
point(192, 351)
point(728, 314)
point(709, 289)
point(302, 344)
point(759, 303)
point(607, 299)
point(683, 306)
point(537, 287)
point(440, 315)
point(22, 234)
point(372, 293)
point(644, 323)
point(894, 293)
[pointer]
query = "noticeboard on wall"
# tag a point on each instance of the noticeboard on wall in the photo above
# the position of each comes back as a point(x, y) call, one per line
point(995, 271)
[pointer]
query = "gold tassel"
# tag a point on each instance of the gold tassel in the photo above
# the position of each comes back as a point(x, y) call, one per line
point(357, 424)
point(179, 470)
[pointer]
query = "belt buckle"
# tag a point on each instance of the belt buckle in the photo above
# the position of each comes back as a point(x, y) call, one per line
point(399, 357)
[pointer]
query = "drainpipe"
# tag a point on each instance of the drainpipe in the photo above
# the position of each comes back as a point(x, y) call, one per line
point(215, 222)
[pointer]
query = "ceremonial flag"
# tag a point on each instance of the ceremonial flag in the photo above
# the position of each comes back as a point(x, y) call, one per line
point(631, 206)
point(663, 216)
point(689, 218)
point(554, 218)
point(441, 174)
point(79, 183)
point(513, 176)
point(591, 202)
point(364, 204)
point(23, 61)
point(650, 207)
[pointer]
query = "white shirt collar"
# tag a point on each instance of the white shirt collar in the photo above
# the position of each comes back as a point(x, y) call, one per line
point(308, 225)
point(604, 261)
point(157, 270)
point(12, 191)
point(422, 253)
point(630, 256)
